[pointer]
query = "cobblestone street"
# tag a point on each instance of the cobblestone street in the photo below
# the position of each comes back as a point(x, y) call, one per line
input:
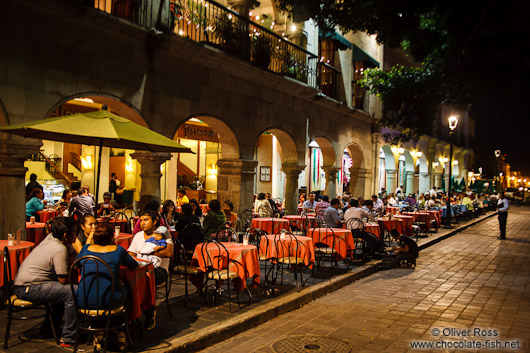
point(462, 287)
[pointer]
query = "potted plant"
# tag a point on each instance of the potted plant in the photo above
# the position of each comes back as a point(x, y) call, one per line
point(261, 51)
point(226, 30)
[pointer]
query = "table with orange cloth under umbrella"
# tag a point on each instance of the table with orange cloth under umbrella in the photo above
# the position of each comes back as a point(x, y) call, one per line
point(243, 261)
point(124, 240)
point(270, 225)
point(46, 215)
point(306, 247)
point(17, 254)
point(35, 232)
point(342, 242)
point(142, 289)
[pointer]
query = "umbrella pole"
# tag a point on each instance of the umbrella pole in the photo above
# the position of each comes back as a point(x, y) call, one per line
point(99, 170)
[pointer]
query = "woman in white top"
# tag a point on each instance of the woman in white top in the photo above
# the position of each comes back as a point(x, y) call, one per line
point(262, 206)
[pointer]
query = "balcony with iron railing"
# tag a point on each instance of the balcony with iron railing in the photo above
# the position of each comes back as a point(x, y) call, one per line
point(210, 23)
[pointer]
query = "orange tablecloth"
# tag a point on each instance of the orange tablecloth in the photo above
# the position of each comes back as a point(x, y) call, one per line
point(45, 216)
point(141, 283)
point(392, 209)
point(125, 240)
point(204, 207)
point(270, 225)
point(405, 225)
point(304, 223)
point(424, 217)
point(344, 244)
point(17, 254)
point(35, 232)
point(306, 248)
point(243, 260)
point(387, 225)
point(437, 216)
point(374, 229)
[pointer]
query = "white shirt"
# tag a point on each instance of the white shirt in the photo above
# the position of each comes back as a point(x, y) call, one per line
point(398, 191)
point(392, 201)
point(356, 212)
point(378, 205)
point(138, 243)
point(505, 205)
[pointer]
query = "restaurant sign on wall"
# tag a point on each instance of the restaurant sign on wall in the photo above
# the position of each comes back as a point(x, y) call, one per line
point(197, 132)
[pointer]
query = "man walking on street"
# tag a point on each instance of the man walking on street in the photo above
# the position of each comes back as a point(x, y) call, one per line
point(503, 215)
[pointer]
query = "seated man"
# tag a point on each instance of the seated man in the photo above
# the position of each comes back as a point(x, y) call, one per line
point(106, 208)
point(310, 203)
point(42, 277)
point(407, 249)
point(82, 203)
point(331, 214)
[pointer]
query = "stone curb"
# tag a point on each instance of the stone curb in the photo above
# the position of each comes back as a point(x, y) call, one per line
point(213, 334)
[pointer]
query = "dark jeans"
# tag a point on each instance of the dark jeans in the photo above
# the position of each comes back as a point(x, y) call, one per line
point(160, 276)
point(54, 293)
point(503, 217)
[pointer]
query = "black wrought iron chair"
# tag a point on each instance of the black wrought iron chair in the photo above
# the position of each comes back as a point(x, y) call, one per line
point(244, 220)
point(14, 304)
point(217, 261)
point(182, 265)
point(288, 257)
point(356, 225)
point(226, 233)
point(93, 271)
point(327, 247)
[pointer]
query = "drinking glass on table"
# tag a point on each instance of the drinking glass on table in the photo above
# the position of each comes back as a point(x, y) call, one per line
point(117, 230)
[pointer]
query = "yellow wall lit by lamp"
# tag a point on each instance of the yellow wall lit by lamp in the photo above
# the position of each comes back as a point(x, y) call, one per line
point(87, 162)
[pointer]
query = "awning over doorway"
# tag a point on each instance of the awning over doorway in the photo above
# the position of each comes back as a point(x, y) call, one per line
point(361, 55)
point(343, 42)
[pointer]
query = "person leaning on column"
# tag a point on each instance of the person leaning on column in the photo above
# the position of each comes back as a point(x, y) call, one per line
point(503, 205)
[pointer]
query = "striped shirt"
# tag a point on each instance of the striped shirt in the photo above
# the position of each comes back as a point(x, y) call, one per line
point(83, 204)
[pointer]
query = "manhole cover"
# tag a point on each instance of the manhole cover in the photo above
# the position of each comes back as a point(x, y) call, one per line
point(310, 344)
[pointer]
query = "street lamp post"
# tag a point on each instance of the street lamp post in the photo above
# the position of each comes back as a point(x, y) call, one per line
point(453, 122)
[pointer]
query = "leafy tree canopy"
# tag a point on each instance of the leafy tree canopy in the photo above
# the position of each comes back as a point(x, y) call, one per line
point(471, 52)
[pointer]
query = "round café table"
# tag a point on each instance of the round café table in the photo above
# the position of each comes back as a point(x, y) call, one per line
point(17, 254)
point(122, 223)
point(35, 232)
point(306, 248)
point(404, 227)
point(270, 225)
point(124, 240)
point(46, 215)
point(342, 241)
point(373, 228)
point(142, 289)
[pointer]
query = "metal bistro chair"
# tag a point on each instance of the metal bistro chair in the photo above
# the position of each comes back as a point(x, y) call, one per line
point(120, 217)
point(15, 304)
point(129, 212)
point(226, 233)
point(296, 227)
point(258, 237)
point(358, 238)
point(182, 266)
point(244, 220)
point(288, 256)
point(217, 261)
point(103, 309)
point(323, 249)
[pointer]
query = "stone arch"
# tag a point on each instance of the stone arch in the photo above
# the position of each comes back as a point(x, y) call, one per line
point(408, 172)
point(227, 137)
point(358, 172)
point(390, 168)
point(409, 162)
point(287, 143)
point(424, 178)
point(424, 165)
point(328, 152)
point(117, 104)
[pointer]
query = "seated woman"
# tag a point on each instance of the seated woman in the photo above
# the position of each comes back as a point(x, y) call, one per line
point(228, 208)
point(35, 203)
point(262, 206)
point(87, 225)
point(169, 214)
point(214, 219)
point(88, 291)
point(197, 211)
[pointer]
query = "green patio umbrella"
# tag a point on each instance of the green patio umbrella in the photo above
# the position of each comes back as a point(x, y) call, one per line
point(463, 184)
point(100, 128)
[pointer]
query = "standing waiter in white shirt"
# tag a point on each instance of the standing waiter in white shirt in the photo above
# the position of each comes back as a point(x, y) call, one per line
point(503, 215)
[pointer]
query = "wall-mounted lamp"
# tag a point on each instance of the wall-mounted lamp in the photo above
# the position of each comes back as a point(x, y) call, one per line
point(497, 153)
point(455, 162)
point(212, 169)
point(129, 167)
point(401, 150)
point(443, 159)
point(87, 163)
point(435, 164)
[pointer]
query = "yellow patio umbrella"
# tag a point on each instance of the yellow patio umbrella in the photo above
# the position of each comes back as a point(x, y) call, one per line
point(100, 128)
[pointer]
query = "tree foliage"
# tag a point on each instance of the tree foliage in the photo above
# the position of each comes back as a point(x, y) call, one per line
point(471, 52)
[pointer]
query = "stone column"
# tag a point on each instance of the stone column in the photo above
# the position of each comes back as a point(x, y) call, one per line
point(438, 180)
point(235, 182)
point(292, 171)
point(446, 178)
point(409, 182)
point(14, 151)
point(359, 182)
point(331, 177)
point(425, 182)
point(150, 174)
point(391, 180)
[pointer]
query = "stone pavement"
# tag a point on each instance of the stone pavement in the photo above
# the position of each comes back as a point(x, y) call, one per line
point(471, 281)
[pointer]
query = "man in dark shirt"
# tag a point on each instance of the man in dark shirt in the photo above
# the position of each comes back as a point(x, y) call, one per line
point(33, 183)
point(407, 249)
point(82, 203)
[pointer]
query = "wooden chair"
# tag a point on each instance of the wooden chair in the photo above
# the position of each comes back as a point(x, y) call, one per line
point(90, 316)
point(15, 304)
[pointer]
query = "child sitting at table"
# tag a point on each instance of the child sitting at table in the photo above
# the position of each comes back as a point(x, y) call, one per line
point(154, 243)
